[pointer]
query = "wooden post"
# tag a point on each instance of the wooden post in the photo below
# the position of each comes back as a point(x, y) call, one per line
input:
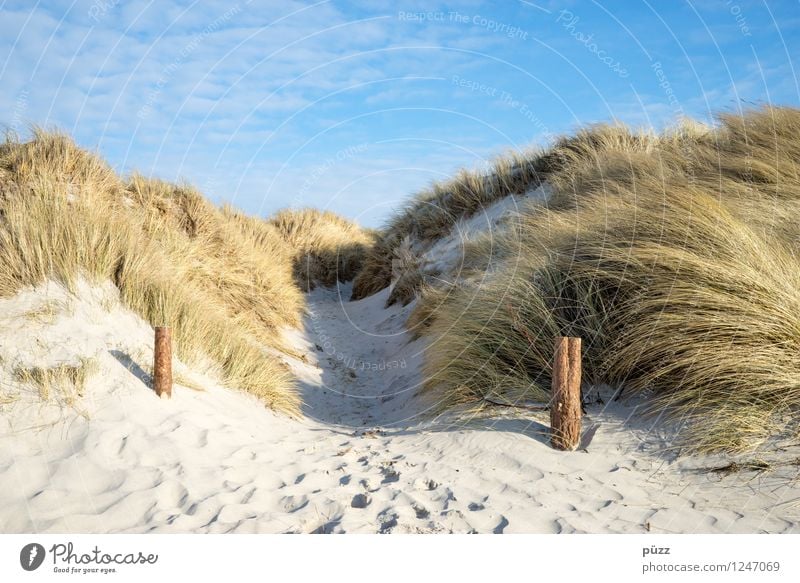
point(162, 362)
point(565, 408)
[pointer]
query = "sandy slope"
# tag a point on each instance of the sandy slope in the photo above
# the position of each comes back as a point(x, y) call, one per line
point(363, 460)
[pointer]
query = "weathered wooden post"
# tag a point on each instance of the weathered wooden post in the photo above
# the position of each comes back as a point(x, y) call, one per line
point(162, 362)
point(565, 408)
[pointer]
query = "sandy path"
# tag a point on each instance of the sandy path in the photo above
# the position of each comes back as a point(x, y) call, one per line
point(362, 461)
point(495, 475)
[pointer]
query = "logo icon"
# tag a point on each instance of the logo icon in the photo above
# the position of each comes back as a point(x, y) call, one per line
point(31, 556)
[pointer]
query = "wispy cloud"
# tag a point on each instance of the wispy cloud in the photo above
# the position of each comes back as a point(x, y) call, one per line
point(249, 99)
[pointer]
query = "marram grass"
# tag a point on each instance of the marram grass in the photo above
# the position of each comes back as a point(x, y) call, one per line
point(225, 282)
point(674, 257)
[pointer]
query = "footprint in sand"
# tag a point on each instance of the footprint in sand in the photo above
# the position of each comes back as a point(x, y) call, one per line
point(425, 484)
point(501, 527)
point(294, 503)
point(361, 501)
point(421, 512)
point(388, 521)
point(390, 474)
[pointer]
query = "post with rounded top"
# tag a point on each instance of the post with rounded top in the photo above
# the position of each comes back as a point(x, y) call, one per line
point(565, 407)
point(162, 362)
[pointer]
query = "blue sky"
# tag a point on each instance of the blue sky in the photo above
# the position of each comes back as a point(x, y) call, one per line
point(353, 106)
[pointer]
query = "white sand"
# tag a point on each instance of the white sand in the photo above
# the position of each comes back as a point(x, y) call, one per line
point(444, 256)
point(364, 459)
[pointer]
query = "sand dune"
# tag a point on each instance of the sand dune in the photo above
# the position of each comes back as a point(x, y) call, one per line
point(85, 445)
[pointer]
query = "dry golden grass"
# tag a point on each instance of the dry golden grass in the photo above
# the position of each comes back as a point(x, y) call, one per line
point(223, 281)
point(49, 311)
point(406, 274)
point(326, 247)
point(247, 268)
point(51, 161)
point(674, 257)
point(432, 213)
point(429, 299)
point(64, 383)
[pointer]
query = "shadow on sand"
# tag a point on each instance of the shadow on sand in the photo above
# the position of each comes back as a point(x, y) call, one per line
point(125, 360)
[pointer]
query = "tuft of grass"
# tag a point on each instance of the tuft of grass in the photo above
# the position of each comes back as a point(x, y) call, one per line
point(185, 381)
point(674, 257)
point(326, 248)
point(48, 311)
point(51, 162)
point(63, 382)
point(8, 399)
point(755, 466)
point(407, 275)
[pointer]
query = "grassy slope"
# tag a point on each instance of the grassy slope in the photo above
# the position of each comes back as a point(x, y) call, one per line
point(224, 281)
point(432, 213)
point(675, 257)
